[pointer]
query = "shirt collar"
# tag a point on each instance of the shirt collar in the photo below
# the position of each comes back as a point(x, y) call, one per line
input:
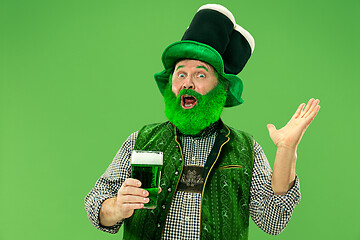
point(204, 133)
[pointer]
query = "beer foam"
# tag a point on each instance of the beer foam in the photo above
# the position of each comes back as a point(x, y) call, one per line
point(147, 157)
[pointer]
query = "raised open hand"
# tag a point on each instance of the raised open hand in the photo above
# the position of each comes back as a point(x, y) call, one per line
point(290, 135)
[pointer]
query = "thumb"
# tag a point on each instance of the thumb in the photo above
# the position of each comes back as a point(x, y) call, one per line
point(271, 128)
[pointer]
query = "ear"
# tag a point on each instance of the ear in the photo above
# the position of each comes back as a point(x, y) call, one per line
point(227, 85)
point(224, 82)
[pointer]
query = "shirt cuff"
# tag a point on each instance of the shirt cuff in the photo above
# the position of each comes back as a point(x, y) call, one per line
point(93, 214)
point(291, 198)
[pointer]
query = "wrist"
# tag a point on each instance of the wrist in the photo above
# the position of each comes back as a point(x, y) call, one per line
point(286, 147)
point(108, 215)
point(285, 157)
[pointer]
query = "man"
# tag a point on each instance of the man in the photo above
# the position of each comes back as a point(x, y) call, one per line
point(233, 176)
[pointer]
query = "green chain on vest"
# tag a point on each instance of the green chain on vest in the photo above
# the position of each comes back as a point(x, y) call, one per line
point(225, 198)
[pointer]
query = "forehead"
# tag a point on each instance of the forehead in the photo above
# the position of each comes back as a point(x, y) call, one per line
point(193, 63)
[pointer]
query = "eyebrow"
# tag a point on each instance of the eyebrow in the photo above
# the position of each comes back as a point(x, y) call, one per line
point(181, 66)
point(202, 67)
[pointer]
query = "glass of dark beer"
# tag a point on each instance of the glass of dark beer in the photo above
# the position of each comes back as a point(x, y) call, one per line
point(146, 167)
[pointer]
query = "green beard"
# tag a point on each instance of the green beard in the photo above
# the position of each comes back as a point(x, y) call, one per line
point(206, 111)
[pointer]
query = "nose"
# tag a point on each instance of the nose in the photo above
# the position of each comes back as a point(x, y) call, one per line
point(188, 83)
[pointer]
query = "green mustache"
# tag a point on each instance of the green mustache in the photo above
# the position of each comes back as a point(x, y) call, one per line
point(189, 92)
point(192, 121)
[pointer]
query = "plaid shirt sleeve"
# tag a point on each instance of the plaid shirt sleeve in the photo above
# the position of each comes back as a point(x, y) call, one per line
point(269, 211)
point(109, 183)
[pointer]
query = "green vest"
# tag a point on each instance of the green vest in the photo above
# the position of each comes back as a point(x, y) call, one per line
point(226, 189)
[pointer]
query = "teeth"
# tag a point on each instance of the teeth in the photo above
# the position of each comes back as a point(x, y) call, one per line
point(188, 105)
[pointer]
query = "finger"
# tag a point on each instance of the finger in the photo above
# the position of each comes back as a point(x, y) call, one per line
point(133, 191)
point(298, 111)
point(271, 128)
point(130, 199)
point(312, 108)
point(308, 105)
point(132, 206)
point(313, 114)
point(129, 186)
point(132, 182)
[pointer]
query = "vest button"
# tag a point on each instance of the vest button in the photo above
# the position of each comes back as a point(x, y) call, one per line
point(176, 173)
point(169, 189)
point(163, 206)
point(158, 225)
point(180, 159)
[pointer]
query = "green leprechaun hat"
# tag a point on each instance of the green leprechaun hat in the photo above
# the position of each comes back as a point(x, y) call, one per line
point(212, 37)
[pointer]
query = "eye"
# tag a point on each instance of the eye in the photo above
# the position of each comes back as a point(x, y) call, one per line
point(201, 75)
point(181, 75)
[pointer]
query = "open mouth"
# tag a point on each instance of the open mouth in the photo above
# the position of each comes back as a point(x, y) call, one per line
point(188, 102)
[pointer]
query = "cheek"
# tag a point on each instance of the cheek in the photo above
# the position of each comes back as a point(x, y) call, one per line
point(214, 82)
point(205, 88)
point(175, 89)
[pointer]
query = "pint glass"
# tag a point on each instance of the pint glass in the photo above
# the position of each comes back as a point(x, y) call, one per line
point(146, 167)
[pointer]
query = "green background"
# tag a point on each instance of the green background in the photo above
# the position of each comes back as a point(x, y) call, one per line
point(76, 79)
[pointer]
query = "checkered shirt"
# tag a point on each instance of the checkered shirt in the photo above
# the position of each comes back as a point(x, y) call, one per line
point(269, 211)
